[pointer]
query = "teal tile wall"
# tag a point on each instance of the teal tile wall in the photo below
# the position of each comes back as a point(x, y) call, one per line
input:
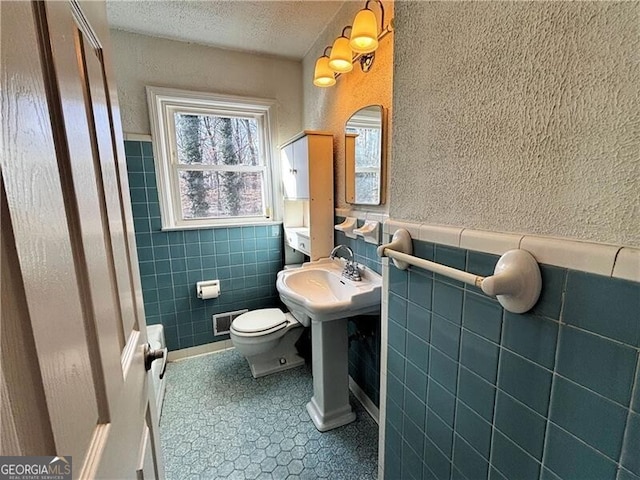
point(364, 332)
point(246, 260)
point(475, 392)
point(364, 354)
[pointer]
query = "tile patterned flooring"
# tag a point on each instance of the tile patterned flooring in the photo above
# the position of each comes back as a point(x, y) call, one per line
point(220, 422)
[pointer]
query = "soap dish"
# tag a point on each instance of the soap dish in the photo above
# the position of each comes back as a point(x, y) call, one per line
point(370, 231)
point(347, 227)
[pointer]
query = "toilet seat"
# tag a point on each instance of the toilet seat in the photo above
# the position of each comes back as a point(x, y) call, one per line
point(260, 322)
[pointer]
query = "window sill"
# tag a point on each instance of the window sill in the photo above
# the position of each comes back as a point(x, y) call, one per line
point(251, 223)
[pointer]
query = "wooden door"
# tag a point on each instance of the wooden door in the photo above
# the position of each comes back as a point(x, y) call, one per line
point(72, 328)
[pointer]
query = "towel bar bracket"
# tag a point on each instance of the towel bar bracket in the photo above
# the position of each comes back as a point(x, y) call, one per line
point(516, 281)
point(400, 242)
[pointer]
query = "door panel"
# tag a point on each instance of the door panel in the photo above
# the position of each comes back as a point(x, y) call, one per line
point(43, 242)
point(23, 408)
point(145, 470)
point(288, 177)
point(100, 126)
point(104, 334)
point(301, 162)
point(67, 200)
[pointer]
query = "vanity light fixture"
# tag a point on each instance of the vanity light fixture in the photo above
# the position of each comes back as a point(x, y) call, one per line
point(363, 41)
point(341, 55)
point(364, 35)
point(323, 76)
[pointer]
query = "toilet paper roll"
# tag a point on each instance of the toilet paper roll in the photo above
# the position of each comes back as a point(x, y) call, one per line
point(209, 291)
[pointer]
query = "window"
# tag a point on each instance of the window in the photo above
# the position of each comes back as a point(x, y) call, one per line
point(213, 158)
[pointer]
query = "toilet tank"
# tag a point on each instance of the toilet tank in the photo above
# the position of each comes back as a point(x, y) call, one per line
point(155, 337)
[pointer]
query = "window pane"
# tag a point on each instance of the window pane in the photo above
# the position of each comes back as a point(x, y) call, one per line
point(221, 194)
point(367, 187)
point(216, 140)
point(368, 144)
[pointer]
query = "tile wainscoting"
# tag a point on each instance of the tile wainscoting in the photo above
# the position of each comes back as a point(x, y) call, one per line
point(472, 391)
point(364, 331)
point(245, 259)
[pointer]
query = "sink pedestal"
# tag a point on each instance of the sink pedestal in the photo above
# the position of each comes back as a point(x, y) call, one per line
point(329, 407)
point(318, 295)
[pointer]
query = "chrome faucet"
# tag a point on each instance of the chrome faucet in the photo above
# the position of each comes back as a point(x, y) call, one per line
point(332, 255)
point(351, 270)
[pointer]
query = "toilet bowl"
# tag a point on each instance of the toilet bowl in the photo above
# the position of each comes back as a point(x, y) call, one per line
point(266, 338)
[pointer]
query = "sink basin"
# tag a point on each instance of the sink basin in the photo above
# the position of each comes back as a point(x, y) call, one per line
point(320, 292)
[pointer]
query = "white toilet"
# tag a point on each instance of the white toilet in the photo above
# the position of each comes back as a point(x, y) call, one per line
point(266, 338)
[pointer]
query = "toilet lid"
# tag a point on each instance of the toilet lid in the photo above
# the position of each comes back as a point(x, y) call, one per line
point(260, 320)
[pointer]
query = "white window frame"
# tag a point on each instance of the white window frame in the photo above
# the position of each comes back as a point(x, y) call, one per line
point(163, 104)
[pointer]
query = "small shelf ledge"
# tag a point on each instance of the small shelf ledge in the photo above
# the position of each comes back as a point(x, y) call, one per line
point(347, 227)
point(370, 231)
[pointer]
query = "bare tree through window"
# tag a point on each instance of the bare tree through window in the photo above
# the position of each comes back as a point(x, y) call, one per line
point(221, 167)
point(367, 164)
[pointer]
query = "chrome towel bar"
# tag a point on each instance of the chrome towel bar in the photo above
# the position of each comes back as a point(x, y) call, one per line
point(516, 281)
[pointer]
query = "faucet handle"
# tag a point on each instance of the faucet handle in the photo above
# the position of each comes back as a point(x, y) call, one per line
point(352, 271)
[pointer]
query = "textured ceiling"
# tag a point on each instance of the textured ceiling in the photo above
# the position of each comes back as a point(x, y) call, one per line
point(283, 28)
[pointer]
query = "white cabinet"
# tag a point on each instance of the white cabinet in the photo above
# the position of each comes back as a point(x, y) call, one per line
point(295, 169)
point(307, 176)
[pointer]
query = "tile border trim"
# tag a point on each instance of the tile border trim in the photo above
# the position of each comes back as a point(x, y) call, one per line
point(137, 137)
point(364, 400)
point(614, 261)
point(206, 349)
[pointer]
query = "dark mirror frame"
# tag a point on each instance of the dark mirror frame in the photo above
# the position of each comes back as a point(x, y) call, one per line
point(351, 196)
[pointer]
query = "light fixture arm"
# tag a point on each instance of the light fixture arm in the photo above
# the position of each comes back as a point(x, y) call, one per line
point(343, 30)
point(324, 52)
point(379, 2)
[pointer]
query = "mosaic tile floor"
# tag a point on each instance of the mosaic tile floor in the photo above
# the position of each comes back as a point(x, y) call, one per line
point(220, 422)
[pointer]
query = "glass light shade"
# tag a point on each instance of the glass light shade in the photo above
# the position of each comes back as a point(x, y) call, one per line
point(341, 56)
point(323, 75)
point(364, 34)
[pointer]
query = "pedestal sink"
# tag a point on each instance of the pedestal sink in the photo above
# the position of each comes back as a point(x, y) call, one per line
point(318, 293)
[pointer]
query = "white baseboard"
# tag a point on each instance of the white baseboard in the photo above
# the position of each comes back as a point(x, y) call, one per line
point(366, 402)
point(206, 349)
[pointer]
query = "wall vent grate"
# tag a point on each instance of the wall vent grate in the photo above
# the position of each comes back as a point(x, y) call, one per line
point(222, 321)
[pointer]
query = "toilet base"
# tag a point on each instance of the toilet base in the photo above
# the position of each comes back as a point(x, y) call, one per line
point(283, 357)
point(273, 365)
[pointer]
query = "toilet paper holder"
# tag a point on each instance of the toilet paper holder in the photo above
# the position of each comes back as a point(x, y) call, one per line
point(205, 285)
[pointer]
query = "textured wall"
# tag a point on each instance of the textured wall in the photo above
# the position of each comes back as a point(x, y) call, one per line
point(142, 60)
point(518, 117)
point(329, 108)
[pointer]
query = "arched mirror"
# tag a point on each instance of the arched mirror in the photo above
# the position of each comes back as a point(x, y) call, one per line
point(364, 156)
